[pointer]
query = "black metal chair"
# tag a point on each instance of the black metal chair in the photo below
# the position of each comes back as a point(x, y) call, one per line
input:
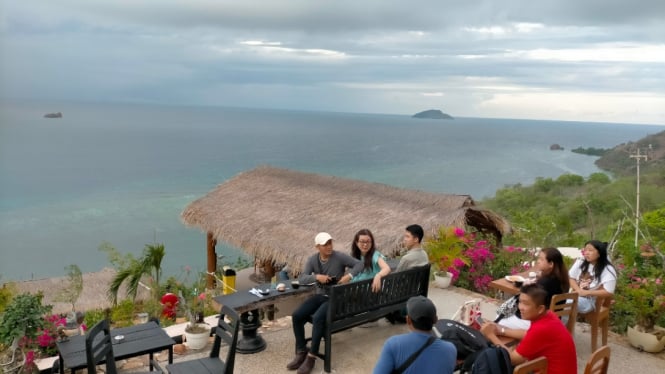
point(226, 331)
point(99, 347)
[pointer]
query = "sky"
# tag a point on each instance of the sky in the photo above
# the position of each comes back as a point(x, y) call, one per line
point(591, 60)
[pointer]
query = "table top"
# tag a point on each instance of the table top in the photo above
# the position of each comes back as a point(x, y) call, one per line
point(244, 301)
point(139, 339)
point(507, 287)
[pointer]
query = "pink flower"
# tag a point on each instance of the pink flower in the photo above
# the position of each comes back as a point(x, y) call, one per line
point(659, 281)
point(29, 357)
point(202, 296)
point(458, 263)
point(44, 340)
point(459, 232)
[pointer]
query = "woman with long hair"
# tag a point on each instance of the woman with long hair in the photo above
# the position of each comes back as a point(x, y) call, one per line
point(593, 275)
point(374, 263)
point(553, 278)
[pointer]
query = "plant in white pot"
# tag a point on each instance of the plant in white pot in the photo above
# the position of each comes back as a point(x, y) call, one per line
point(197, 331)
point(445, 249)
point(644, 297)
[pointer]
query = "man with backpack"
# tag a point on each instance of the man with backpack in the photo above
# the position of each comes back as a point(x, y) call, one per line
point(418, 352)
point(547, 336)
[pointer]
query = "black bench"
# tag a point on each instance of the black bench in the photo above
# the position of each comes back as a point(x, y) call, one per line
point(354, 304)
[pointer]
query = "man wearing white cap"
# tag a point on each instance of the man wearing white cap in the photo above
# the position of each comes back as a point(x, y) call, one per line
point(327, 267)
point(418, 351)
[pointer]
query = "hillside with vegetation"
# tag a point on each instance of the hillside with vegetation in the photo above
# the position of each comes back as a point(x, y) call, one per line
point(572, 209)
point(618, 161)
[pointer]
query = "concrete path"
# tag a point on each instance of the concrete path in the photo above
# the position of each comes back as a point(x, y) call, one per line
point(357, 350)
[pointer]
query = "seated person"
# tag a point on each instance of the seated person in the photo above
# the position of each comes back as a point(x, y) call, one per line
point(374, 263)
point(326, 267)
point(546, 336)
point(415, 255)
point(592, 276)
point(553, 278)
point(438, 357)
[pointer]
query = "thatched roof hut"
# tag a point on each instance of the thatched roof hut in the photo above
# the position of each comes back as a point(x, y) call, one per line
point(274, 214)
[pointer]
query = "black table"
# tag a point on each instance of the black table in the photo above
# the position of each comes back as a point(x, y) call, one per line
point(248, 305)
point(141, 339)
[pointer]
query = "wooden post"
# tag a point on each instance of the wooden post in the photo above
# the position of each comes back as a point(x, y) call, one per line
point(212, 261)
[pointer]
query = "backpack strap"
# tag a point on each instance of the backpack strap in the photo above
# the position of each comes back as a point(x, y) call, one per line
point(413, 357)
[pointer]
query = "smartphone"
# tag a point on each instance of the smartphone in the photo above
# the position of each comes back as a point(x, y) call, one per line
point(480, 320)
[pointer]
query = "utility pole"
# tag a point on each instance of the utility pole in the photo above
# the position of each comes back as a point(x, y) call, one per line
point(637, 158)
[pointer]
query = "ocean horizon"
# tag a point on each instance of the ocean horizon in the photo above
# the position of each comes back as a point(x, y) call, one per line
point(122, 173)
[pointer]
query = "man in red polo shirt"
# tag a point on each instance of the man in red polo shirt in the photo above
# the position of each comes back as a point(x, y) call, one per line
point(547, 335)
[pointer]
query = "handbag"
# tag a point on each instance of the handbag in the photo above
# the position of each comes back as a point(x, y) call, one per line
point(508, 308)
point(468, 312)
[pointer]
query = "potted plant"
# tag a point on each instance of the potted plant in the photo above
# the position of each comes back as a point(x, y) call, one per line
point(644, 298)
point(445, 250)
point(196, 331)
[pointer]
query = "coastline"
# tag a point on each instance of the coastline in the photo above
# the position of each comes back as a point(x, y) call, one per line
point(96, 283)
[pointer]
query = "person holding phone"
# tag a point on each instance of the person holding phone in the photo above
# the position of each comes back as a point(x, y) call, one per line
point(546, 336)
point(326, 267)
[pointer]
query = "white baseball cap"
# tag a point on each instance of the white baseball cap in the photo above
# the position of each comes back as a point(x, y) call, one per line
point(322, 238)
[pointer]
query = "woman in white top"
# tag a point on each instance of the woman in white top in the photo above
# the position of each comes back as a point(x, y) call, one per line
point(592, 276)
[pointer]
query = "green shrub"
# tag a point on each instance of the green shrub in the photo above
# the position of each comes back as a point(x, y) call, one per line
point(24, 316)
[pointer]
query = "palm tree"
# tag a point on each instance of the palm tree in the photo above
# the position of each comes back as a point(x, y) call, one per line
point(149, 264)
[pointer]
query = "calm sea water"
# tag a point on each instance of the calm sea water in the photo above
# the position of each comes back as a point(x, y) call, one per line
point(123, 173)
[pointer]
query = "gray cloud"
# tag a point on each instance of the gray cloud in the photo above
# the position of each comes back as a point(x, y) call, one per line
point(376, 56)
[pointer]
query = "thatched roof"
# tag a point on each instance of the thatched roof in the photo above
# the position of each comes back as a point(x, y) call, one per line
point(274, 213)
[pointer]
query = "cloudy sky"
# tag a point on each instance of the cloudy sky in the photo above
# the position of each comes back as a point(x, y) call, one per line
point(591, 60)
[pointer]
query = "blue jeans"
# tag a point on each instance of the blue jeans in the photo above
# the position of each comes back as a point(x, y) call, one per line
point(317, 307)
point(586, 304)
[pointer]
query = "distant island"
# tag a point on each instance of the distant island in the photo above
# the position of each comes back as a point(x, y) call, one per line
point(53, 115)
point(556, 147)
point(591, 151)
point(433, 114)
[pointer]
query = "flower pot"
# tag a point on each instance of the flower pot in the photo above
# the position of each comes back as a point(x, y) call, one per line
point(441, 280)
point(646, 341)
point(196, 337)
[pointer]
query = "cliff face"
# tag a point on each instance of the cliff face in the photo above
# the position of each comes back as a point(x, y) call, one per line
point(618, 160)
point(432, 114)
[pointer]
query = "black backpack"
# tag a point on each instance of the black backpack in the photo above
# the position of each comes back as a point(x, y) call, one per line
point(466, 339)
point(492, 360)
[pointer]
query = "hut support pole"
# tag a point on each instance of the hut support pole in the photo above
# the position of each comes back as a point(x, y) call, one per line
point(212, 262)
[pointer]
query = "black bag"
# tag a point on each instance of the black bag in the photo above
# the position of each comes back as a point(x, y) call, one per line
point(466, 339)
point(492, 360)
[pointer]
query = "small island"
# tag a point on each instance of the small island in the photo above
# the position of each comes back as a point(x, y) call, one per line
point(433, 114)
point(591, 151)
point(556, 147)
point(53, 115)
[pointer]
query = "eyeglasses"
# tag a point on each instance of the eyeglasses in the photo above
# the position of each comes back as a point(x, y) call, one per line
point(364, 242)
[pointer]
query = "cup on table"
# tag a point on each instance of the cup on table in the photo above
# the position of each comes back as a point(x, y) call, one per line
point(295, 285)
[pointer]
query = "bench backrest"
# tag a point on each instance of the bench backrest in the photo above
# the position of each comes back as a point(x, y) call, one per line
point(357, 297)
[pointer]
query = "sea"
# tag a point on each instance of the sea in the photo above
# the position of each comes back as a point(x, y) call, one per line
point(122, 173)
